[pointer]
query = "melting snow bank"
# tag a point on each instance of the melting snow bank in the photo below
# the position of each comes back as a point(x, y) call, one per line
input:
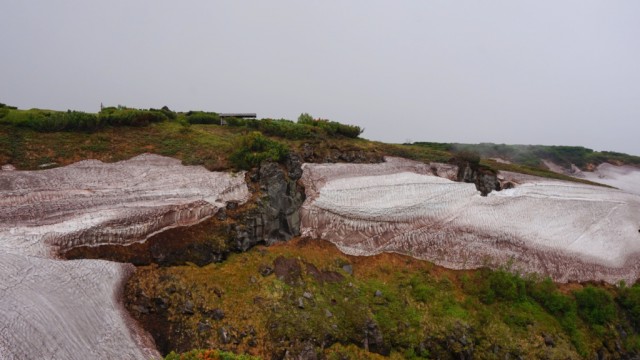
point(624, 177)
point(52, 309)
point(71, 309)
point(565, 230)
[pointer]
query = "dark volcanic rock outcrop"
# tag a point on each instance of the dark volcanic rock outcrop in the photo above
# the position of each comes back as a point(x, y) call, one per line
point(272, 215)
point(470, 171)
point(276, 216)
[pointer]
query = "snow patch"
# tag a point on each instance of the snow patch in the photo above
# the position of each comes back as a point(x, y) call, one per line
point(71, 309)
point(624, 177)
point(565, 230)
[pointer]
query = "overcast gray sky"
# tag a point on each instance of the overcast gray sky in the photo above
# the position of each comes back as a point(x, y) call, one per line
point(516, 72)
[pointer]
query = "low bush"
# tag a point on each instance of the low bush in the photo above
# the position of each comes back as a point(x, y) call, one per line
point(167, 112)
point(421, 290)
point(208, 355)
point(466, 157)
point(629, 300)
point(234, 121)
point(48, 121)
point(595, 305)
point(284, 128)
point(201, 117)
point(5, 106)
point(130, 117)
point(331, 127)
point(501, 285)
point(254, 148)
point(547, 295)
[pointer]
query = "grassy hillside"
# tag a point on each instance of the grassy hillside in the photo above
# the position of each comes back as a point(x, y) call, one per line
point(306, 298)
point(532, 155)
point(306, 294)
point(32, 138)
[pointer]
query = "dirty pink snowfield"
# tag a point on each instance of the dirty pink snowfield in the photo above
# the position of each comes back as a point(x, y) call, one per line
point(55, 309)
point(569, 231)
point(50, 308)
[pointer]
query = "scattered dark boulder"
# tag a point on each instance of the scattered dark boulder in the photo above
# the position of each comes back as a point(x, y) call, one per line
point(507, 185)
point(373, 340)
point(224, 335)
point(287, 270)
point(348, 269)
point(187, 309)
point(308, 352)
point(216, 314)
point(161, 303)
point(265, 270)
point(141, 309)
point(324, 275)
point(203, 327)
point(221, 215)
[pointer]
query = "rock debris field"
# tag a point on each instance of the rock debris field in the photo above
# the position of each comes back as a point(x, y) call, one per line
point(57, 309)
point(569, 231)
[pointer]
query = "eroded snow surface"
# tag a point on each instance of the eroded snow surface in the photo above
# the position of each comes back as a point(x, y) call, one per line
point(54, 309)
point(565, 230)
point(624, 177)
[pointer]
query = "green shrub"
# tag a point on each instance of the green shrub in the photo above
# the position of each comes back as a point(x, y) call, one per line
point(167, 112)
point(305, 118)
point(234, 121)
point(81, 121)
point(629, 301)
point(595, 305)
point(254, 148)
point(331, 127)
point(305, 128)
point(422, 291)
point(48, 121)
point(466, 157)
point(284, 128)
point(201, 117)
point(547, 295)
point(501, 285)
point(208, 355)
point(130, 117)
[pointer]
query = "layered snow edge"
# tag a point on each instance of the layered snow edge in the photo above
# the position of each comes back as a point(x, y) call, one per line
point(568, 231)
point(58, 309)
